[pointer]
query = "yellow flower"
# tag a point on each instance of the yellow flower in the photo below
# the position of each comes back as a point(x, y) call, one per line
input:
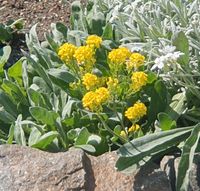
point(139, 79)
point(102, 95)
point(136, 60)
point(135, 112)
point(93, 100)
point(112, 82)
point(66, 52)
point(119, 55)
point(123, 134)
point(89, 101)
point(134, 128)
point(90, 81)
point(94, 41)
point(85, 54)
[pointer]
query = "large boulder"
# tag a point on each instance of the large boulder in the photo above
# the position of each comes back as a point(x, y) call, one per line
point(27, 169)
point(148, 178)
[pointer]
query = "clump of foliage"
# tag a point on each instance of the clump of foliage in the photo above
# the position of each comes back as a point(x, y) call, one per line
point(90, 96)
point(123, 73)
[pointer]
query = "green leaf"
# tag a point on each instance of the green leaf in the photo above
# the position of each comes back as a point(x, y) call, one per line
point(182, 44)
point(54, 45)
point(88, 148)
point(34, 125)
point(94, 140)
point(43, 115)
point(117, 129)
point(82, 137)
point(72, 134)
point(36, 97)
point(141, 150)
point(59, 31)
point(43, 88)
point(15, 92)
point(62, 78)
point(67, 110)
point(108, 32)
point(19, 132)
point(151, 77)
point(8, 104)
point(34, 136)
point(40, 70)
point(25, 75)
point(33, 37)
point(97, 23)
point(11, 134)
point(15, 71)
point(4, 56)
point(42, 58)
point(6, 117)
point(185, 164)
point(177, 106)
point(63, 75)
point(166, 122)
point(5, 34)
point(45, 140)
point(17, 24)
point(158, 101)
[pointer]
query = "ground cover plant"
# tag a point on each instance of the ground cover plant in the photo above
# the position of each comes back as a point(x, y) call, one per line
point(120, 77)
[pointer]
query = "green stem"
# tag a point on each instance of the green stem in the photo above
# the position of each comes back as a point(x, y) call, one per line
point(109, 130)
point(115, 111)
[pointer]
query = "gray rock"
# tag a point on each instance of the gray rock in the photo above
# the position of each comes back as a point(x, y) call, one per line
point(107, 178)
point(169, 164)
point(27, 169)
point(148, 178)
point(151, 178)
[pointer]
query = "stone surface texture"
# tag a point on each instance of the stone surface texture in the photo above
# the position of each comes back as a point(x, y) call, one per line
point(169, 164)
point(27, 169)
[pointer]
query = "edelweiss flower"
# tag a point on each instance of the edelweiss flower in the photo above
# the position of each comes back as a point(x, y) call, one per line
point(170, 57)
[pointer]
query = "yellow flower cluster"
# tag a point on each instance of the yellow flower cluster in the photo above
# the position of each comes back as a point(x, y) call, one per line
point(85, 54)
point(89, 100)
point(139, 79)
point(93, 99)
point(119, 55)
point(103, 95)
point(135, 60)
point(131, 130)
point(112, 83)
point(66, 52)
point(94, 41)
point(134, 128)
point(135, 112)
point(90, 81)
